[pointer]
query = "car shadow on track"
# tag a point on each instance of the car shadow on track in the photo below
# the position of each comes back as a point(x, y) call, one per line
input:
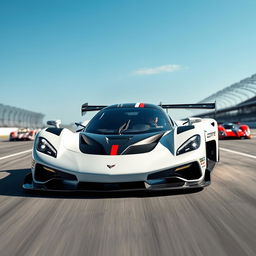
point(11, 185)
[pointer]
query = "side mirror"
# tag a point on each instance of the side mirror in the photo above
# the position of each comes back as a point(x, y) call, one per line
point(80, 126)
point(55, 123)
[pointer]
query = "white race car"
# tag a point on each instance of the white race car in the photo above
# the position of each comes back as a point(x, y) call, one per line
point(126, 147)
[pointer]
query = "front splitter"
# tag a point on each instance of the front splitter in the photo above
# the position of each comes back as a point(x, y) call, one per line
point(71, 187)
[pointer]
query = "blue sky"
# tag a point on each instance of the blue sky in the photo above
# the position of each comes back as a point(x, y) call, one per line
point(57, 55)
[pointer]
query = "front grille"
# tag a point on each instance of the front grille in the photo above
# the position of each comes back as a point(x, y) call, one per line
point(111, 186)
point(42, 175)
point(161, 174)
point(191, 173)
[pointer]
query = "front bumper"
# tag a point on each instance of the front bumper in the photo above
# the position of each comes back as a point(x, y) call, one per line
point(155, 182)
point(129, 173)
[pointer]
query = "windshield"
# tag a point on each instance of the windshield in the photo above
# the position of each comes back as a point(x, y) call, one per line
point(128, 121)
point(22, 131)
point(230, 126)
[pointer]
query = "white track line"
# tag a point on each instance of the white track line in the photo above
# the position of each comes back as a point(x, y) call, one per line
point(238, 153)
point(16, 154)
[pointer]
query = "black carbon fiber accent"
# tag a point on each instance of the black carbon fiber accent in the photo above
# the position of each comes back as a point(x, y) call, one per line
point(98, 144)
point(181, 129)
point(54, 130)
point(43, 175)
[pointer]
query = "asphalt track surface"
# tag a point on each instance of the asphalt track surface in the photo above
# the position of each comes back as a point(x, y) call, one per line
point(218, 220)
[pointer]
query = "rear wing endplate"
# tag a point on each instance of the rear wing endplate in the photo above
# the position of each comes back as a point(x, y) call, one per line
point(86, 108)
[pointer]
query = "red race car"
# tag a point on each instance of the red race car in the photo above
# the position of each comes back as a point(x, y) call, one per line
point(23, 134)
point(235, 131)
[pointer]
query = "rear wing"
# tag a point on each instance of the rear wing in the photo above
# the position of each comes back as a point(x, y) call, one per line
point(189, 106)
point(86, 108)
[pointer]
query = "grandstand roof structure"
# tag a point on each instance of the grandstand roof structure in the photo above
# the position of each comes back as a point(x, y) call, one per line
point(17, 117)
point(234, 94)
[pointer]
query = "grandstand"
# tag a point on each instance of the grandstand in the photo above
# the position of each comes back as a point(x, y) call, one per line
point(235, 103)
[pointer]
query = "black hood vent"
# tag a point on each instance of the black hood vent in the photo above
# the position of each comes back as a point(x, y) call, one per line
point(182, 129)
point(99, 144)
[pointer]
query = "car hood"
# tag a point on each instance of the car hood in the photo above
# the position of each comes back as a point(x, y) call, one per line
point(90, 143)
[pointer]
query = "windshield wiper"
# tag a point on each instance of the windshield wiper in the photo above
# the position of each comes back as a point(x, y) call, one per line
point(124, 127)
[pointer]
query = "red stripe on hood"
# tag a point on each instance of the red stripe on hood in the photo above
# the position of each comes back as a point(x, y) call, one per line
point(114, 150)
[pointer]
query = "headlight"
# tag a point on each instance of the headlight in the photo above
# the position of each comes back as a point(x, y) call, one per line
point(222, 133)
point(191, 144)
point(44, 146)
point(247, 132)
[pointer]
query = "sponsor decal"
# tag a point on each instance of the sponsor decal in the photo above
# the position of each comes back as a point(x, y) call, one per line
point(33, 164)
point(202, 161)
point(211, 134)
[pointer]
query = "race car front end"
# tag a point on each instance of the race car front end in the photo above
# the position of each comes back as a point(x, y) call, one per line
point(173, 162)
